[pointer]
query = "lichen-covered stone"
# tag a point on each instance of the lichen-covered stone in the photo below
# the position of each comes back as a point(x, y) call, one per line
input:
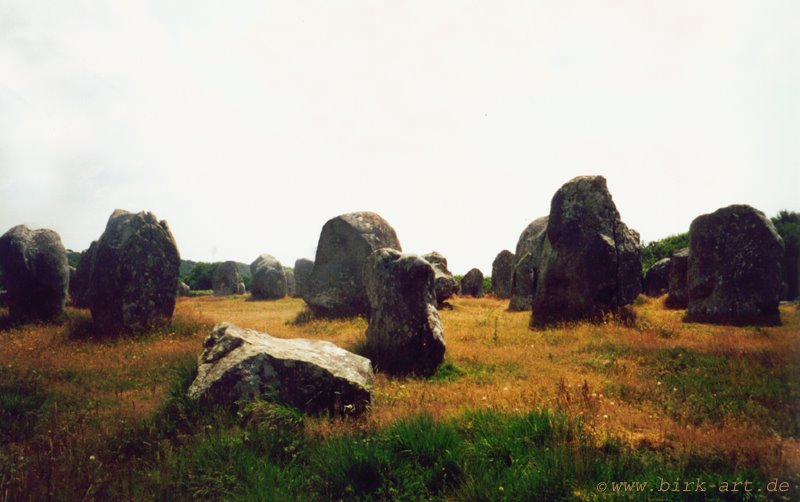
point(590, 261)
point(405, 333)
point(502, 274)
point(241, 365)
point(134, 273)
point(269, 279)
point(678, 295)
point(336, 288)
point(734, 272)
point(472, 283)
point(656, 283)
point(225, 279)
point(529, 250)
point(302, 276)
point(79, 286)
point(444, 283)
point(291, 284)
point(183, 289)
point(35, 273)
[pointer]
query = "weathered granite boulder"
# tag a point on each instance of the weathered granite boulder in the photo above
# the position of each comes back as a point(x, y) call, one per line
point(291, 285)
point(444, 284)
point(35, 273)
point(405, 332)
point(678, 294)
point(529, 250)
point(241, 289)
point(656, 283)
point(183, 289)
point(734, 272)
point(472, 283)
point(590, 261)
point(241, 365)
point(79, 285)
point(269, 279)
point(502, 273)
point(302, 276)
point(134, 273)
point(225, 279)
point(336, 288)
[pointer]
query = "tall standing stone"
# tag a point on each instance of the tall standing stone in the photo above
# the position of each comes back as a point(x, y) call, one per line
point(134, 273)
point(291, 284)
point(302, 275)
point(225, 279)
point(336, 288)
point(405, 333)
point(656, 282)
point(678, 296)
point(734, 273)
point(269, 279)
point(35, 273)
point(444, 284)
point(79, 288)
point(529, 250)
point(590, 261)
point(472, 283)
point(502, 274)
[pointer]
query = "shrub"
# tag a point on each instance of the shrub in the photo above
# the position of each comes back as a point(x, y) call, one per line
point(663, 248)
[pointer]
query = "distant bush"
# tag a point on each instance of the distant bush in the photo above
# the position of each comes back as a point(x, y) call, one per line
point(787, 223)
point(487, 284)
point(199, 277)
point(662, 248)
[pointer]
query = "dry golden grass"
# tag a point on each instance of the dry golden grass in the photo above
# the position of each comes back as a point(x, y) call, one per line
point(499, 364)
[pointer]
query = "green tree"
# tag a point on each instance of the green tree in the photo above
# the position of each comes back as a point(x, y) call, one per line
point(199, 278)
point(787, 223)
point(663, 248)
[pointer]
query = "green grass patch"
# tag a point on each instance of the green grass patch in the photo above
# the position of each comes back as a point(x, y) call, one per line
point(21, 400)
point(701, 388)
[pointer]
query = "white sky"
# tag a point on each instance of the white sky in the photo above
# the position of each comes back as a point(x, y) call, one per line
point(247, 125)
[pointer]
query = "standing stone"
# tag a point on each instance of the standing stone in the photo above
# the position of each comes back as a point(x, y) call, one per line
point(502, 274)
point(241, 289)
point(529, 251)
point(225, 279)
point(183, 289)
point(35, 273)
point(734, 273)
point(242, 365)
point(79, 286)
point(678, 297)
point(302, 276)
point(269, 279)
point(590, 261)
point(405, 332)
point(656, 283)
point(336, 288)
point(444, 283)
point(134, 273)
point(291, 285)
point(472, 283)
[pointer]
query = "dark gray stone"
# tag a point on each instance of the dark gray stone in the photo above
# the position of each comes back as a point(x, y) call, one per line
point(225, 279)
point(529, 250)
point(79, 285)
point(472, 283)
point(656, 283)
point(336, 288)
point(291, 285)
point(444, 283)
point(35, 273)
point(405, 332)
point(734, 272)
point(302, 275)
point(241, 365)
point(678, 295)
point(502, 273)
point(134, 273)
point(590, 262)
point(269, 279)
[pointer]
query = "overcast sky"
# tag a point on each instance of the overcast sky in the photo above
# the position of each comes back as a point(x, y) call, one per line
point(247, 125)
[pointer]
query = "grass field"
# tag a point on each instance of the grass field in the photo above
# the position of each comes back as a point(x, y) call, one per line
point(513, 414)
